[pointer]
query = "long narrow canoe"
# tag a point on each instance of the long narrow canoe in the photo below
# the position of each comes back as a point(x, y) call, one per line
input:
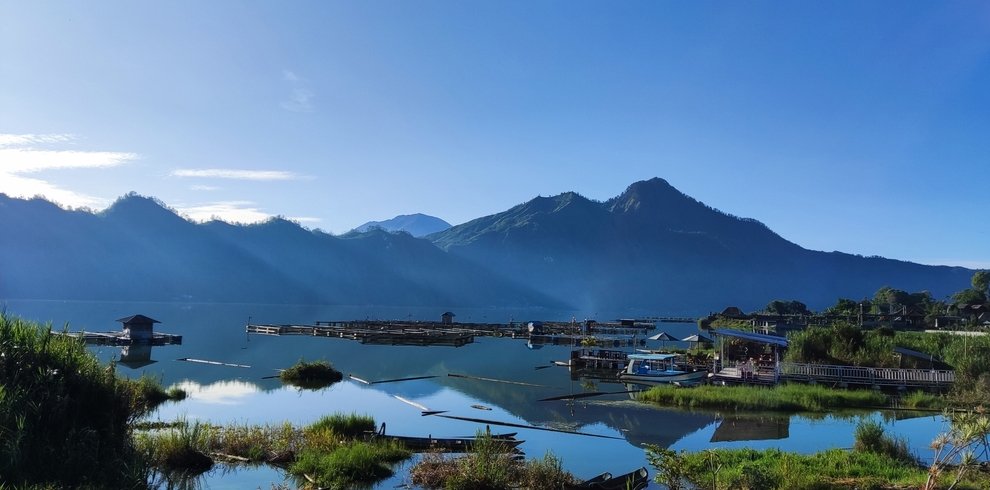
point(456, 445)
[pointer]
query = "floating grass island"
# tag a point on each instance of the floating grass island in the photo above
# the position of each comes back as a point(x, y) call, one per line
point(311, 375)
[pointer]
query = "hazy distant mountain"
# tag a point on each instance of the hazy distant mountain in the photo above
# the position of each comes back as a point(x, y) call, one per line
point(653, 248)
point(417, 225)
point(138, 249)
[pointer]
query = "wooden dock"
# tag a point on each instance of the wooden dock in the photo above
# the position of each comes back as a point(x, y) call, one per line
point(601, 359)
point(121, 339)
point(580, 340)
point(391, 332)
point(373, 334)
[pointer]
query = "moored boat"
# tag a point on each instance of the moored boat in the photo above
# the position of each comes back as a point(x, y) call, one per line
point(634, 480)
point(659, 369)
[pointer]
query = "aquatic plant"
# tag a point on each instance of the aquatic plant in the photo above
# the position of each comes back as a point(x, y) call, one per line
point(488, 466)
point(870, 436)
point(345, 425)
point(351, 463)
point(433, 470)
point(545, 472)
point(923, 400)
point(311, 375)
point(785, 397)
point(180, 450)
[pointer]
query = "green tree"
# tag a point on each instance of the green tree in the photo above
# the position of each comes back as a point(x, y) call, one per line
point(969, 297)
point(792, 307)
point(844, 306)
point(981, 281)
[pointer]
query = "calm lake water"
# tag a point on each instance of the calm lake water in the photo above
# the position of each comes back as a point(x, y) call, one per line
point(242, 395)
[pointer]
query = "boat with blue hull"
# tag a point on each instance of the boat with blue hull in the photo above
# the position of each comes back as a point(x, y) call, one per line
point(652, 369)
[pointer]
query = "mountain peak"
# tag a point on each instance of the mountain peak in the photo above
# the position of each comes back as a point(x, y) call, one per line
point(655, 192)
point(417, 224)
point(133, 207)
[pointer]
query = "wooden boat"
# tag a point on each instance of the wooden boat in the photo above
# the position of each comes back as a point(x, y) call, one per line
point(658, 369)
point(507, 442)
point(634, 480)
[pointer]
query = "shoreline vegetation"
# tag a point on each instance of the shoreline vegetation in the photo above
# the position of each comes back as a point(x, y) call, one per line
point(59, 403)
point(789, 397)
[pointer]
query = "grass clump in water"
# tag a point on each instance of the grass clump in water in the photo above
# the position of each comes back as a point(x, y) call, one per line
point(351, 463)
point(871, 437)
point(786, 397)
point(488, 466)
point(311, 375)
point(344, 425)
point(180, 450)
point(921, 399)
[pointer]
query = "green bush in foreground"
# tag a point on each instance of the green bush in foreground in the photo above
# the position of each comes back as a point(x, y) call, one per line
point(772, 468)
point(65, 417)
point(786, 397)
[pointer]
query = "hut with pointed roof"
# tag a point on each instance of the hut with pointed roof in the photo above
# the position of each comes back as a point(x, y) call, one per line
point(139, 328)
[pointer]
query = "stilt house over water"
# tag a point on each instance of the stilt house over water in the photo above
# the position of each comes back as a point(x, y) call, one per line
point(139, 328)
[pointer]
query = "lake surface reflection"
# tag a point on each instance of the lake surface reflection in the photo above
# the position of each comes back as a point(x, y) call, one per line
point(249, 395)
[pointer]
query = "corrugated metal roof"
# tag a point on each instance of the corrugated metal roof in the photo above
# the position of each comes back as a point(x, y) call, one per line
point(904, 351)
point(754, 337)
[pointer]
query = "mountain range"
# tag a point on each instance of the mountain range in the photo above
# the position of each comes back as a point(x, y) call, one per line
point(651, 249)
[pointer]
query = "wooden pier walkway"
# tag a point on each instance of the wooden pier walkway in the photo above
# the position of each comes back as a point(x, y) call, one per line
point(867, 376)
point(845, 376)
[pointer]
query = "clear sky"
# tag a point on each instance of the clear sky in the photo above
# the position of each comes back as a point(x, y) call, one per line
point(858, 126)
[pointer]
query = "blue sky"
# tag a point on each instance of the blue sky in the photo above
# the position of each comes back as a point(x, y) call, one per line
point(855, 126)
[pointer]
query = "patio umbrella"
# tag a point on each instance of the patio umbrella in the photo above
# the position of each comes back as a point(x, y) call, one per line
point(663, 337)
point(697, 339)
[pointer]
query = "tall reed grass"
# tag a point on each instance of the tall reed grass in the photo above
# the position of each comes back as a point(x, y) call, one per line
point(786, 397)
point(64, 416)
